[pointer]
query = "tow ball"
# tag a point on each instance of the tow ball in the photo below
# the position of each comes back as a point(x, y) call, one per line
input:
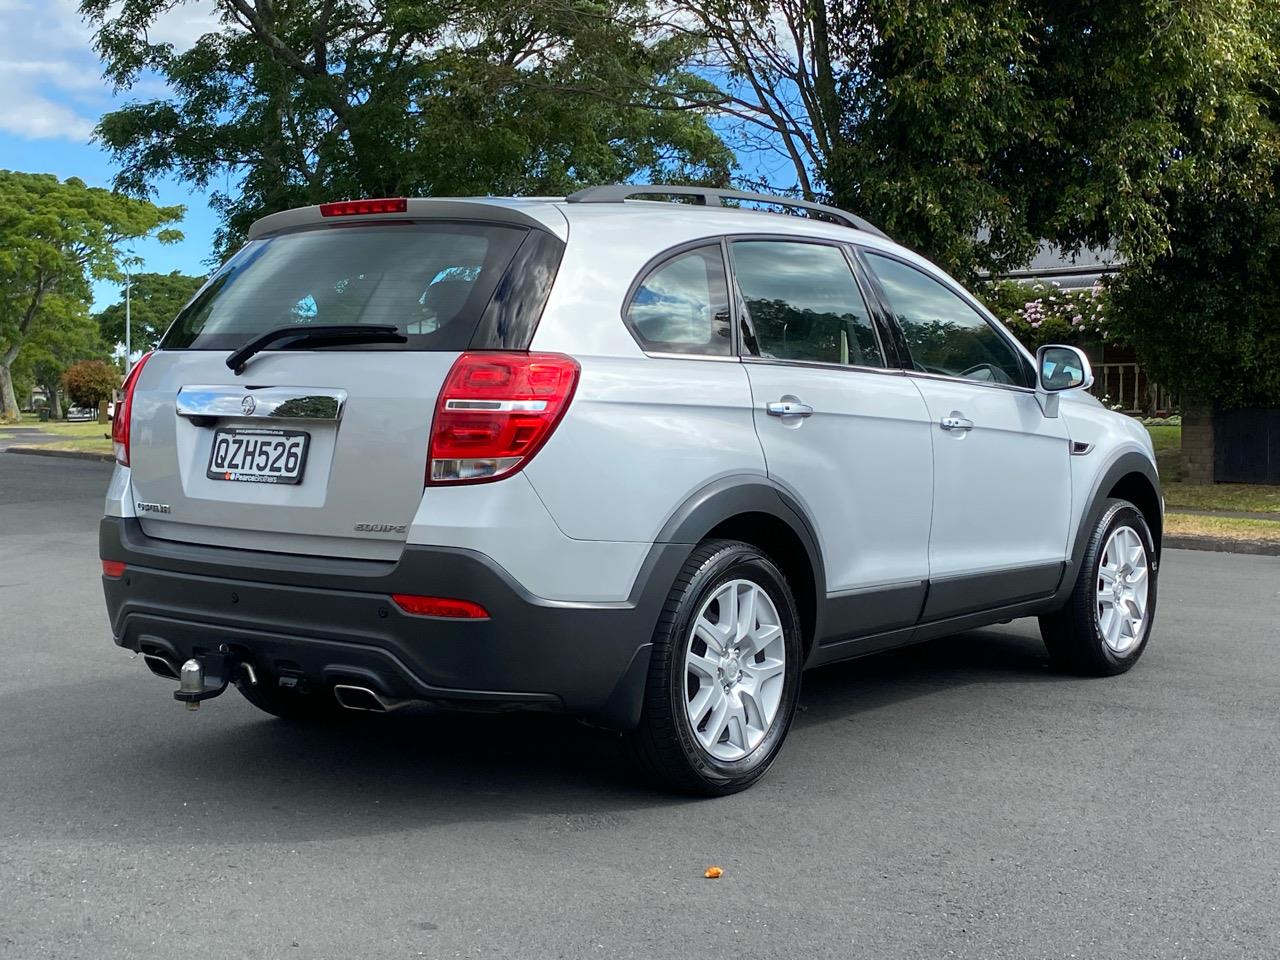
point(208, 675)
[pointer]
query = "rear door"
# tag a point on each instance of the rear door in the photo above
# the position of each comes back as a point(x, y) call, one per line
point(312, 451)
point(1002, 478)
point(846, 435)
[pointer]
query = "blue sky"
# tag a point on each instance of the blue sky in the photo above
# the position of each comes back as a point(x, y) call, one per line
point(54, 93)
point(51, 82)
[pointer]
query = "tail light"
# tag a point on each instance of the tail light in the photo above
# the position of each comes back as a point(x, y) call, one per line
point(113, 569)
point(124, 412)
point(495, 411)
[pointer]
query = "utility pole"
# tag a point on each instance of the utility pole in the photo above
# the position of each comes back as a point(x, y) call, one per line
point(128, 319)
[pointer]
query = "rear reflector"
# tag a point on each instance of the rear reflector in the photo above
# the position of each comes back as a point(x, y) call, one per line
point(494, 413)
point(360, 208)
point(113, 569)
point(124, 412)
point(439, 607)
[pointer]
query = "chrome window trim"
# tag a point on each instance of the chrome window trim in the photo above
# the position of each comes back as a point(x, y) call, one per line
point(821, 365)
point(927, 375)
point(718, 357)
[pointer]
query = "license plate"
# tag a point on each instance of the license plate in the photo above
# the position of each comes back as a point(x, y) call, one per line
point(258, 456)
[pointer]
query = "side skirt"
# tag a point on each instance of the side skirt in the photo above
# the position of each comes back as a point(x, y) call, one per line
point(834, 649)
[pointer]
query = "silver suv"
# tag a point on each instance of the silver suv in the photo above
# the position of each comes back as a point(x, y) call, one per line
point(641, 462)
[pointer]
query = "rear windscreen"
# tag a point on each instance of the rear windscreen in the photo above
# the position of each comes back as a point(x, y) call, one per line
point(432, 281)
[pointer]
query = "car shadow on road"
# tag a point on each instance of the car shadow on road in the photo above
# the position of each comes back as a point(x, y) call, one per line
point(228, 771)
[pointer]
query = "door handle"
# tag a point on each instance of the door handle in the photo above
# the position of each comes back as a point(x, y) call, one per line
point(788, 407)
point(958, 423)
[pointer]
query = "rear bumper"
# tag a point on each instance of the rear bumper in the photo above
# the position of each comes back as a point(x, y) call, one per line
point(334, 621)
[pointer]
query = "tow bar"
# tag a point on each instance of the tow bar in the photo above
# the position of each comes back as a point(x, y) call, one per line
point(208, 675)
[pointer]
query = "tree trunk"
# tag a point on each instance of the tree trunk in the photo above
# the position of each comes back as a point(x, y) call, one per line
point(55, 403)
point(1197, 442)
point(8, 400)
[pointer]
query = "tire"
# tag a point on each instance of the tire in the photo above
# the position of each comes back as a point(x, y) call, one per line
point(1093, 636)
point(764, 686)
point(316, 706)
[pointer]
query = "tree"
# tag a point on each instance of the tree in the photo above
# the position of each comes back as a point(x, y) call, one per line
point(55, 236)
point(971, 130)
point(155, 299)
point(60, 342)
point(91, 382)
point(319, 100)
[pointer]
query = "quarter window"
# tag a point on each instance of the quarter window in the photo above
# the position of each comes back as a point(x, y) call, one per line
point(682, 306)
point(944, 334)
point(804, 303)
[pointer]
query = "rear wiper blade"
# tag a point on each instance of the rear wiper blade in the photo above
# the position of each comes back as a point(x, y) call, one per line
point(296, 335)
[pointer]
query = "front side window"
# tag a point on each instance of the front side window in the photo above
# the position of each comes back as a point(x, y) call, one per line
point(944, 334)
point(682, 305)
point(804, 303)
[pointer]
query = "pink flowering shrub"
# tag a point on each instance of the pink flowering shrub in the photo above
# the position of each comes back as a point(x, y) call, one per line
point(1039, 313)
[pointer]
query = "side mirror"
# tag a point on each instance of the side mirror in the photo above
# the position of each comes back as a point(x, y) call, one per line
point(1059, 368)
point(1062, 368)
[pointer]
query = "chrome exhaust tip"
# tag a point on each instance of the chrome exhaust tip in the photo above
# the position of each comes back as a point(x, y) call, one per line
point(362, 698)
point(161, 666)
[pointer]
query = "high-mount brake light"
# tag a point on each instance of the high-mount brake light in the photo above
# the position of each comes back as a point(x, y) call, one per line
point(495, 411)
point(360, 208)
point(124, 412)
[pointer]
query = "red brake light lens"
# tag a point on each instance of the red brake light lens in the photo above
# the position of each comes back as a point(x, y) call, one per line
point(360, 208)
point(113, 569)
point(439, 607)
point(124, 412)
point(495, 411)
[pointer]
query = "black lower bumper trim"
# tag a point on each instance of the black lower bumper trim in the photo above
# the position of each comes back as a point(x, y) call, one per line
point(333, 621)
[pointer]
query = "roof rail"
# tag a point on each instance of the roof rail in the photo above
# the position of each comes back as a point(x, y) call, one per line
point(715, 196)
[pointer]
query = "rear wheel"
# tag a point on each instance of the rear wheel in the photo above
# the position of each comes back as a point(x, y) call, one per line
point(724, 677)
point(1105, 624)
point(310, 707)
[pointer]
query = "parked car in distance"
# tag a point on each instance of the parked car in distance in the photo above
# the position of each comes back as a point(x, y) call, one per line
point(640, 462)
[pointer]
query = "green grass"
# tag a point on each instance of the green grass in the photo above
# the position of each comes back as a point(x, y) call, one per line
point(81, 435)
point(1168, 444)
point(1241, 497)
point(1222, 528)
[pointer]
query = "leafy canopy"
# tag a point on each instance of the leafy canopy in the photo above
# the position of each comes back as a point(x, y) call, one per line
point(311, 100)
point(55, 237)
point(972, 130)
point(155, 299)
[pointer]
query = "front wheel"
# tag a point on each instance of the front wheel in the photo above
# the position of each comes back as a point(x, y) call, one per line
point(724, 678)
point(1105, 624)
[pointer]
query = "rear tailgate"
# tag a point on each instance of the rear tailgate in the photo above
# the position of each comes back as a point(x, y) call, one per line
point(314, 448)
point(366, 417)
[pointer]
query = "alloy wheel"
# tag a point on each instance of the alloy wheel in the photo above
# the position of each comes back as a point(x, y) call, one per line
point(735, 667)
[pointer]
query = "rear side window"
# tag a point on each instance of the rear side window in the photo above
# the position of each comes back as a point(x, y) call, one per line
point(433, 281)
point(682, 305)
point(804, 303)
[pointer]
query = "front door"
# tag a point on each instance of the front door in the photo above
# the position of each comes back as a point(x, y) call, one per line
point(1002, 478)
point(845, 435)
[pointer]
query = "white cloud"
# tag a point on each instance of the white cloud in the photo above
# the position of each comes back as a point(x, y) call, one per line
point(50, 76)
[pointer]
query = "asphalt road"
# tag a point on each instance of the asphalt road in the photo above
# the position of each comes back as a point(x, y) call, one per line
point(954, 800)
